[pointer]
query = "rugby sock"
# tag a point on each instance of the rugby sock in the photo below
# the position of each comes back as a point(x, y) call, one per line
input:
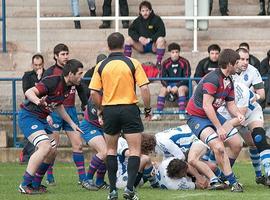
point(256, 161)
point(231, 178)
point(100, 174)
point(160, 103)
point(232, 161)
point(127, 50)
point(50, 173)
point(112, 170)
point(214, 180)
point(93, 166)
point(138, 179)
point(132, 169)
point(79, 162)
point(40, 174)
point(151, 177)
point(27, 179)
point(265, 158)
point(220, 174)
point(160, 54)
point(182, 103)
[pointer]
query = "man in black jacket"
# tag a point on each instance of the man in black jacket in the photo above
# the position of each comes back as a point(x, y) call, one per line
point(265, 72)
point(146, 33)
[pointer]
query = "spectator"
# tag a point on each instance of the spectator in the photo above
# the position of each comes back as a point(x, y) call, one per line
point(209, 63)
point(76, 10)
point(223, 7)
point(174, 67)
point(262, 8)
point(146, 33)
point(265, 71)
point(254, 61)
point(107, 11)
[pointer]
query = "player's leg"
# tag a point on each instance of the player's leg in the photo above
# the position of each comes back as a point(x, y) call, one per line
point(159, 48)
point(129, 43)
point(182, 100)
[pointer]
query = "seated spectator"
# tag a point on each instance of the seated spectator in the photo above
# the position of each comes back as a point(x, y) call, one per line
point(265, 72)
point(223, 7)
point(254, 61)
point(146, 33)
point(107, 11)
point(209, 63)
point(174, 67)
point(262, 8)
point(76, 10)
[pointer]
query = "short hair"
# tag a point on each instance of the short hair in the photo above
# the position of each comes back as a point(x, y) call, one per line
point(213, 47)
point(72, 66)
point(115, 41)
point(148, 143)
point(58, 48)
point(146, 4)
point(177, 168)
point(174, 46)
point(100, 57)
point(37, 56)
point(243, 50)
point(227, 56)
point(244, 44)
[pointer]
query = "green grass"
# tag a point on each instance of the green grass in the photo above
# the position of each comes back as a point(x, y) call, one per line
point(67, 188)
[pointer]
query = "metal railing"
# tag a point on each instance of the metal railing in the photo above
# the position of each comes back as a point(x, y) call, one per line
point(3, 20)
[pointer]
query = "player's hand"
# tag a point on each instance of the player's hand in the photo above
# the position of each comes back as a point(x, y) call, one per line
point(50, 120)
point(42, 101)
point(143, 40)
point(76, 128)
point(201, 183)
point(222, 133)
point(241, 118)
point(148, 113)
point(169, 88)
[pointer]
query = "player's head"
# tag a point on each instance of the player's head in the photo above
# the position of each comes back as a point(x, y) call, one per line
point(148, 143)
point(145, 9)
point(177, 169)
point(244, 45)
point(37, 62)
point(61, 54)
point(228, 59)
point(244, 59)
point(174, 50)
point(213, 51)
point(115, 41)
point(100, 57)
point(73, 71)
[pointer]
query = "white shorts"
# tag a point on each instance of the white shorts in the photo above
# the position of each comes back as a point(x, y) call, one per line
point(255, 115)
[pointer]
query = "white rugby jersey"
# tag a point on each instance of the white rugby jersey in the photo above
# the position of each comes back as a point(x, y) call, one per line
point(166, 182)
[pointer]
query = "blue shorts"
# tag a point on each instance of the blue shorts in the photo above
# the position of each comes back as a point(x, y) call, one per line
point(30, 123)
point(148, 47)
point(89, 130)
point(198, 124)
point(59, 123)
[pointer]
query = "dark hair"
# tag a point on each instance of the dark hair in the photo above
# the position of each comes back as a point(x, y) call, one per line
point(244, 44)
point(58, 48)
point(227, 56)
point(148, 143)
point(37, 56)
point(174, 46)
point(177, 168)
point(213, 47)
point(115, 41)
point(72, 66)
point(146, 4)
point(100, 57)
point(243, 50)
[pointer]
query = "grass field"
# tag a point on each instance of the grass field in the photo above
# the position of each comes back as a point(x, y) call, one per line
point(67, 188)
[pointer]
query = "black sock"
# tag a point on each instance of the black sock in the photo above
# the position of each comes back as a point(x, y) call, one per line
point(112, 170)
point(138, 179)
point(132, 169)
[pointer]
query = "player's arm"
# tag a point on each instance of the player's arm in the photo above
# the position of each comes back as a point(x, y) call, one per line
point(260, 94)
point(96, 98)
point(32, 95)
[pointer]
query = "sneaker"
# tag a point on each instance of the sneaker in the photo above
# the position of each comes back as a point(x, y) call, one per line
point(89, 185)
point(237, 187)
point(28, 190)
point(51, 182)
point(182, 116)
point(156, 117)
point(113, 195)
point(216, 186)
point(130, 195)
point(104, 186)
point(260, 180)
point(125, 24)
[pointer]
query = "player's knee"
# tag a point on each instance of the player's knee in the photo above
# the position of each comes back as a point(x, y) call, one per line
point(219, 150)
point(161, 41)
point(45, 147)
point(129, 41)
point(259, 138)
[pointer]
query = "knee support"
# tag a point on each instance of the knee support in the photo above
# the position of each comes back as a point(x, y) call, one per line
point(39, 139)
point(259, 139)
point(210, 138)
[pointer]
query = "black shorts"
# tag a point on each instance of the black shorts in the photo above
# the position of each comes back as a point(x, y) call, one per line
point(122, 118)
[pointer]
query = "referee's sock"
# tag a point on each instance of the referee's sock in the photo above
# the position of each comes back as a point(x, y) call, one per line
point(112, 170)
point(132, 169)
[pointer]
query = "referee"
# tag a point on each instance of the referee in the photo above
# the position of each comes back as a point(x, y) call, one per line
point(116, 77)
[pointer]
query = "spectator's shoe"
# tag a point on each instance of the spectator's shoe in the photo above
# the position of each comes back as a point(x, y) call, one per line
point(89, 185)
point(267, 181)
point(130, 195)
point(28, 190)
point(93, 13)
point(113, 195)
point(156, 117)
point(237, 187)
point(104, 25)
point(260, 180)
point(125, 24)
point(158, 65)
point(217, 186)
point(77, 24)
point(51, 182)
point(182, 116)
point(104, 186)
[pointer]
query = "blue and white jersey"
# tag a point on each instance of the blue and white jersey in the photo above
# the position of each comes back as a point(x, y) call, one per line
point(121, 175)
point(166, 182)
point(175, 142)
